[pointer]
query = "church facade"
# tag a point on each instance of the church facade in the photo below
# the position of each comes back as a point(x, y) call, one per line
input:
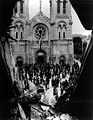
point(42, 39)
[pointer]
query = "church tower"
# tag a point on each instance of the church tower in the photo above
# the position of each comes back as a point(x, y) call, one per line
point(21, 9)
point(61, 19)
point(20, 18)
point(61, 28)
point(19, 30)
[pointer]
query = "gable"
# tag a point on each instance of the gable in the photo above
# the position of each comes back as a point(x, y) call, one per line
point(40, 18)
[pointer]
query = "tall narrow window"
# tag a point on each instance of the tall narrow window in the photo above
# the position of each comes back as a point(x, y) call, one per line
point(16, 35)
point(64, 26)
point(64, 35)
point(58, 6)
point(64, 6)
point(15, 9)
point(21, 35)
point(59, 35)
point(21, 6)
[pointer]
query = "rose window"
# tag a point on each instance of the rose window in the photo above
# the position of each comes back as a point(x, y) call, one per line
point(40, 32)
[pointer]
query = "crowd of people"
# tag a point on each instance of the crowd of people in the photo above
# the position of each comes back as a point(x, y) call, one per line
point(57, 77)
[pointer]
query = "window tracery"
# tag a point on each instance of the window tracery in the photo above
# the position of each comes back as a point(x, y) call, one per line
point(19, 30)
point(40, 32)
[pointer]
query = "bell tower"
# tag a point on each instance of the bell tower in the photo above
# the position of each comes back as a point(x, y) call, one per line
point(61, 29)
point(61, 19)
point(21, 9)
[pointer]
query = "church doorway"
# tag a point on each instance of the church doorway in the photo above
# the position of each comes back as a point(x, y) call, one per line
point(62, 60)
point(41, 56)
point(19, 61)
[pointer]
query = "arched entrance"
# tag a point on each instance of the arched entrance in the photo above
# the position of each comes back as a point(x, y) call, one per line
point(19, 61)
point(62, 60)
point(40, 56)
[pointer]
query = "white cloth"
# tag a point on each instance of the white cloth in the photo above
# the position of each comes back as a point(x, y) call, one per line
point(32, 86)
point(48, 97)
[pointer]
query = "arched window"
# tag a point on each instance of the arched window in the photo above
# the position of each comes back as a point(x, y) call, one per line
point(58, 6)
point(64, 6)
point(64, 35)
point(16, 26)
point(21, 27)
point(64, 10)
point(21, 31)
point(21, 6)
point(21, 35)
point(59, 35)
point(59, 26)
point(16, 35)
point(64, 26)
point(15, 9)
point(19, 61)
point(62, 60)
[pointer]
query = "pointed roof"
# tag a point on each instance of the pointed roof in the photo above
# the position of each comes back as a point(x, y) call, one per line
point(40, 17)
